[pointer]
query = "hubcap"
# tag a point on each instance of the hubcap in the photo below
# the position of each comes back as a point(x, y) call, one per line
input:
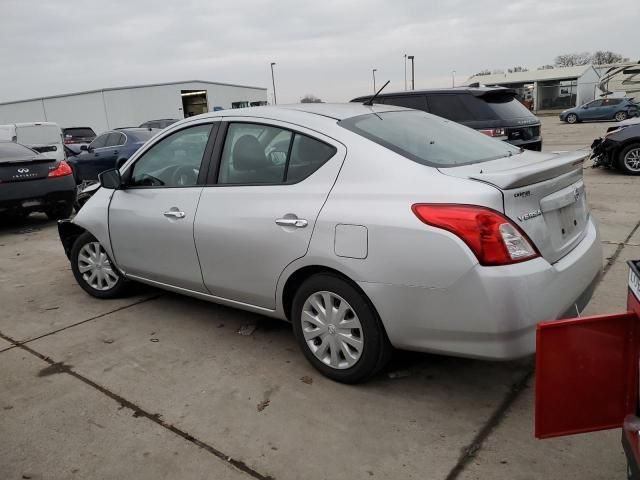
point(332, 330)
point(571, 118)
point(632, 159)
point(620, 116)
point(95, 267)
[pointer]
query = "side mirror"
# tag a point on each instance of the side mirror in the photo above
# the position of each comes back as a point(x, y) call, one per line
point(110, 179)
point(84, 148)
point(585, 106)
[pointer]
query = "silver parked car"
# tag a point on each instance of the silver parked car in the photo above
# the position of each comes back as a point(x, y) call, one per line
point(366, 227)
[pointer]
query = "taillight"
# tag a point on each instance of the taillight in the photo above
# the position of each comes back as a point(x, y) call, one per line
point(494, 132)
point(61, 170)
point(491, 236)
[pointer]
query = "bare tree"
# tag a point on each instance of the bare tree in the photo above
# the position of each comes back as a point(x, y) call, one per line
point(573, 59)
point(603, 57)
point(308, 98)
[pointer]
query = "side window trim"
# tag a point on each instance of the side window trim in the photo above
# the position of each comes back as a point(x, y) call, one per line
point(206, 156)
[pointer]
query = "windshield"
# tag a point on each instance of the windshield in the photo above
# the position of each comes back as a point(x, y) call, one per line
point(12, 151)
point(427, 139)
point(79, 132)
point(38, 135)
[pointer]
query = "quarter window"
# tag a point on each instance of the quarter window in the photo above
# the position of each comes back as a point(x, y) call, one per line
point(417, 102)
point(262, 154)
point(174, 161)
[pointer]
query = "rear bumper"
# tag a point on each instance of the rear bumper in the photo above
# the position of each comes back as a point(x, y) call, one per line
point(37, 195)
point(491, 312)
point(532, 144)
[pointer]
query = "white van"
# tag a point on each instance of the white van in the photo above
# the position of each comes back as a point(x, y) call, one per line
point(44, 137)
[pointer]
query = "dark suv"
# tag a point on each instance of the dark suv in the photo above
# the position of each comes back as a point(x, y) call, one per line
point(494, 111)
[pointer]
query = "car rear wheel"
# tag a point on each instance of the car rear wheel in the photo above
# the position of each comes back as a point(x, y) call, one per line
point(572, 118)
point(93, 269)
point(629, 159)
point(60, 211)
point(338, 329)
point(620, 116)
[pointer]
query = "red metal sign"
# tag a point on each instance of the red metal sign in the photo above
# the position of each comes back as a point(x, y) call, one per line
point(586, 374)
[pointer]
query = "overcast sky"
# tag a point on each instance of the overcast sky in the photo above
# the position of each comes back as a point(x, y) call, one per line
point(326, 48)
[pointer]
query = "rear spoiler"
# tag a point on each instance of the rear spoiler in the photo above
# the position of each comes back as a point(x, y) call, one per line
point(535, 172)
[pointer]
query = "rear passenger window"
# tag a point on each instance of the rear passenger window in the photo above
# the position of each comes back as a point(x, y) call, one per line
point(417, 102)
point(115, 139)
point(450, 107)
point(262, 154)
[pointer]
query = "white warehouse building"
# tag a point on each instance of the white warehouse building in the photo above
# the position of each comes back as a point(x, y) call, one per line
point(110, 108)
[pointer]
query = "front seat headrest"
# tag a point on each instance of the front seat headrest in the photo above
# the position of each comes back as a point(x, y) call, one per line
point(248, 154)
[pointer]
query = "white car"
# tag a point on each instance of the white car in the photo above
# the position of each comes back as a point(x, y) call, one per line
point(43, 137)
point(364, 226)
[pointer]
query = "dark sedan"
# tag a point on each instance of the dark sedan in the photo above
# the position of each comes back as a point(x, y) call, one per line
point(109, 150)
point(619, 148)
point(31, 182)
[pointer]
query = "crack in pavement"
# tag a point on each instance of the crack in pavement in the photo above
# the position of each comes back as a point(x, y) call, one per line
point(60, 368)
point(82, 322)
point(469, 452)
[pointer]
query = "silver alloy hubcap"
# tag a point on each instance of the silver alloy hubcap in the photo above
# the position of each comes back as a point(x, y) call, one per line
point(620, 116)
point(571, 118)
point(632, 159)
point(95, 267)
point(332, 330)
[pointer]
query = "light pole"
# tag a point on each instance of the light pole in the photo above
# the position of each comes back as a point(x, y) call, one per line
point(273, 81)
point(453, 79)
point(374, 79)
point(405, 72)
point(413, 78)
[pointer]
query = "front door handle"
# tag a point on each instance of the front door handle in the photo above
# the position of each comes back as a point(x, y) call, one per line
point(292, 222)
point(174, 214)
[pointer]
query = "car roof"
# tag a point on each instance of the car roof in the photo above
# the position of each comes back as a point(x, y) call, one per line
point(336, 111)
point(476, 91)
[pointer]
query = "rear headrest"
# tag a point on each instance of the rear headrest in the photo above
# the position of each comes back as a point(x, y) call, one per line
point(248, 154)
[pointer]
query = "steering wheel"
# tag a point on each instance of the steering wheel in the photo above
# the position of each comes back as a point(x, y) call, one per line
point(184, 176)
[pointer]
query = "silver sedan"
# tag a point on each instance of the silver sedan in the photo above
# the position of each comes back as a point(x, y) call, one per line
point(366, 227)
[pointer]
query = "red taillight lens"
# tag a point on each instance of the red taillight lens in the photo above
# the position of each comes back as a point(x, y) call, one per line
point(492, 237)
point(494, 132)
point(61, 170)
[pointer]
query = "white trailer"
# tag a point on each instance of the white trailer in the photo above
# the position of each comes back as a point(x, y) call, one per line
point(110, 108)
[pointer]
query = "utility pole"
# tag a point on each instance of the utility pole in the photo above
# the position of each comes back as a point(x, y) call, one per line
point(413, 77)
point(273, 81)
point(374, 79)
point(405, 72)
point(453, 79)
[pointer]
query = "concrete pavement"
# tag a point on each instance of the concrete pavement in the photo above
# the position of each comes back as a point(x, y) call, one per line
point(161, 374)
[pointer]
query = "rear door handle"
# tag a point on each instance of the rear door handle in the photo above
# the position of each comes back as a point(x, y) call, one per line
point(174, 214)
point(292, 222)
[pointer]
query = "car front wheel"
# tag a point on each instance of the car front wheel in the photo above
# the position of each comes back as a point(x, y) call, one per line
point(93, 269)
point(572, 118)
point(338, 329)
point(629, 159)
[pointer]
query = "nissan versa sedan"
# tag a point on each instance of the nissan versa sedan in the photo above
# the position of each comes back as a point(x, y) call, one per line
point(366, 227)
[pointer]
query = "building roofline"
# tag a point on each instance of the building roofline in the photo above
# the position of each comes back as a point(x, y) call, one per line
point(129, 87)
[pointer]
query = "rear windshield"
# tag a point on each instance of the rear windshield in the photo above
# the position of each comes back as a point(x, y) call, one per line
point(427, 139)
point(499, 107)
point(12, 151)
point(79, 132)
point(38, 135)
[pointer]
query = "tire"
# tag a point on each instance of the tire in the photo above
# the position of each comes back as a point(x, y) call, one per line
point(109, 282)
point(60, 212)
point(620, 116)
point(629, 159)
point(572, 118)
point(347, 354)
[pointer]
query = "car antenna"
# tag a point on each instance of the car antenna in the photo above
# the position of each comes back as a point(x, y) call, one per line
point(370, 101)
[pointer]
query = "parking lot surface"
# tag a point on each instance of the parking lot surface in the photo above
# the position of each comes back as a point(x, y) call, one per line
point(162, 386)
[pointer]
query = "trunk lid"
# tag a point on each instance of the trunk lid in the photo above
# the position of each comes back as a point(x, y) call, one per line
point(543, 194)
point(19, 171)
